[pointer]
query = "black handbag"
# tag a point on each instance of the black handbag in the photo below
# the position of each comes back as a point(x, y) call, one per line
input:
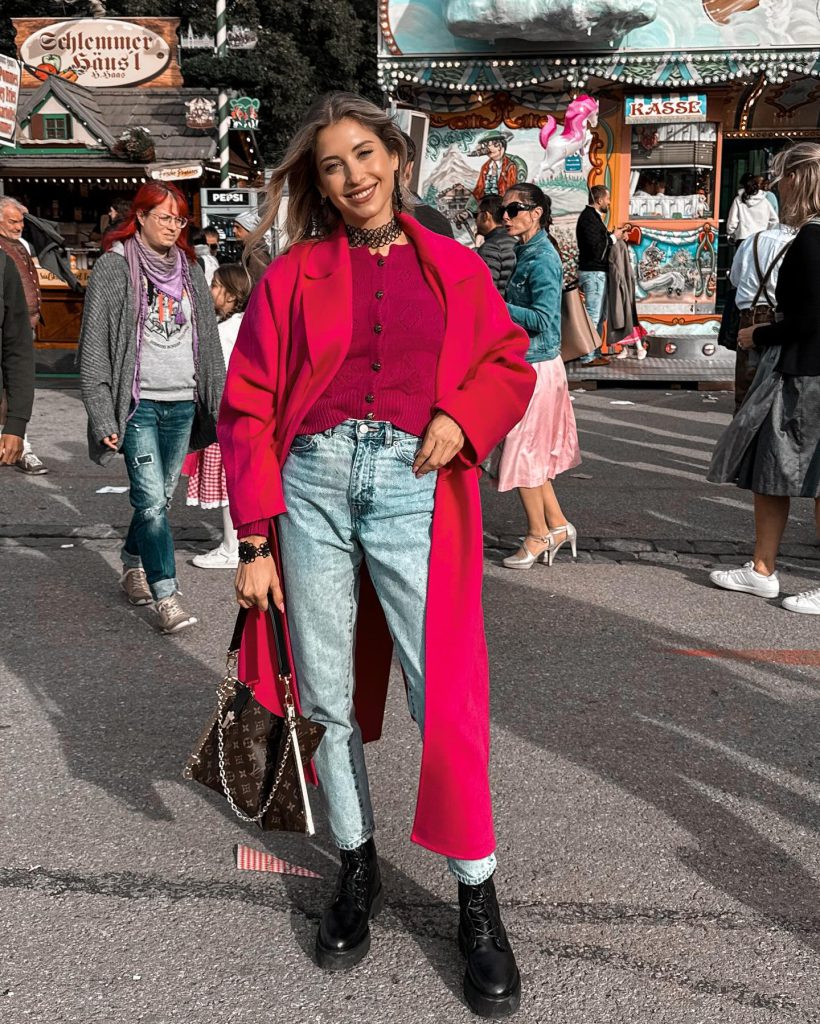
point(254, 758)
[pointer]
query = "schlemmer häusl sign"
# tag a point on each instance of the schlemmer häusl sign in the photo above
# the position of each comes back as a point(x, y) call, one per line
point(665, 108)
point(100, 52)
point(9, 94)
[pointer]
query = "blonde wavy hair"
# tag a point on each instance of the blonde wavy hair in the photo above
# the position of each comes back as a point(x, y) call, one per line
point(802, 161)
point(307, 216)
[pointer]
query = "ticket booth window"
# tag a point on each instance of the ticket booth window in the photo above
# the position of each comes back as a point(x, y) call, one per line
point(672, 171)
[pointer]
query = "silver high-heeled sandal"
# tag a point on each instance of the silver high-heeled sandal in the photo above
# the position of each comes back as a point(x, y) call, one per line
point(548, 556)
point(528, 559)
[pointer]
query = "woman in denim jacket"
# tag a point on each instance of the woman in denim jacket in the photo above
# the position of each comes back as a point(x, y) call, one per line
point(545, 442)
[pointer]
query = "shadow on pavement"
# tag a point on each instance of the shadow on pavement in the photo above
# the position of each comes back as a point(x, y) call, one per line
point(127, 706)
point(688, 737)
point(690, 740)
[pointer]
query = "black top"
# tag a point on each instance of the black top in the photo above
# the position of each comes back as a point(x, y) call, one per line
point(593, 240)
point(16, 349)
point(432, 219)
point(498, 252)
point(797, 330)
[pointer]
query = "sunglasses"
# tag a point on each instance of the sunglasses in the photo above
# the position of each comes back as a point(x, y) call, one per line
point(512, 210)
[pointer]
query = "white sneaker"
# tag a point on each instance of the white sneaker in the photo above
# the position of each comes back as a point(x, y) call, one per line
point(29, 464)
point(640, 351)
point(807, 603)
point(623, 354)
point(218, 558)
point(747, 581)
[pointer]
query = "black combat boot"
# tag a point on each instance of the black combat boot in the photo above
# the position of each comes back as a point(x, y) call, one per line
point(492, 984)
point(344, 931)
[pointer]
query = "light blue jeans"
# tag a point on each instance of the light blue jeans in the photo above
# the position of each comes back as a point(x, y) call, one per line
point(593, 285)
point(352, 497)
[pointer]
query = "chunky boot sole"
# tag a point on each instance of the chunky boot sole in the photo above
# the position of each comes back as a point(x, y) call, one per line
point(345, 960)
point(483, 1005)
point(490, 1006)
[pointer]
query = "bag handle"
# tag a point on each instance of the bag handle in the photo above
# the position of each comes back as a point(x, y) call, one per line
point(277, 619)
point(278, 623)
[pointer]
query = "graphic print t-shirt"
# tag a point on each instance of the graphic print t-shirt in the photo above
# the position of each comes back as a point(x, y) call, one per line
point(167, 356)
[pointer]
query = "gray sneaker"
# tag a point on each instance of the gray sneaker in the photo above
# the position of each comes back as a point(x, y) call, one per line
point(172, 616)
point(134, 584)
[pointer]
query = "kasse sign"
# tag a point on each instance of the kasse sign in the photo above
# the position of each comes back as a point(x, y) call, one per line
point(665, 109)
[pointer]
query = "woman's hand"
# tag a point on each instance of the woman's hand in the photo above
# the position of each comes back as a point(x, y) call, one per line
point(257, 580)
point(111, 441)
point(11, 448)
point(745, 338)
point(443, 440)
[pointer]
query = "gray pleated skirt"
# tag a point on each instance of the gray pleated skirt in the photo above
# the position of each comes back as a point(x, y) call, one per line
point(773, 444)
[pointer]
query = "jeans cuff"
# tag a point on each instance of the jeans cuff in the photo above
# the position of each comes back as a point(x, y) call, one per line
point(482, 870)
point(354, 844)
point(130, 561)
point(164, 588)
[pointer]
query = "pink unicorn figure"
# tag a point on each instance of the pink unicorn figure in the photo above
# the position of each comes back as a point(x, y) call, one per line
point(581, 115)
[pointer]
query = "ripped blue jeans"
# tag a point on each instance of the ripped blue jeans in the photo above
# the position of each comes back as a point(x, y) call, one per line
point(155, 444)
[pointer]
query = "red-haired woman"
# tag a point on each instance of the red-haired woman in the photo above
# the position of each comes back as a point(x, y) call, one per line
point(152, 375)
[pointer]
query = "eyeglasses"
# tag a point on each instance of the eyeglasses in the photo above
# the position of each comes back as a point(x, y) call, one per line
point(512, 210)
point(167, 219)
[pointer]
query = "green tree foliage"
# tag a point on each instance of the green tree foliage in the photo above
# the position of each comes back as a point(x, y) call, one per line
point(306, 47)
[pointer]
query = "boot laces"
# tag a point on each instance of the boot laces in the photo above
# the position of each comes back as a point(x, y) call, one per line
point(485, 920)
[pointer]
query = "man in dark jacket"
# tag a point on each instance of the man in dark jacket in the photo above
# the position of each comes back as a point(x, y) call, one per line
point(16, 363)
point(12, 222)
point(594, 243)
point(428, 216)
point(498, 248)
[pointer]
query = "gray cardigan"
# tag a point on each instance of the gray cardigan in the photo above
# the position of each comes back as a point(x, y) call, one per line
point(108, 351)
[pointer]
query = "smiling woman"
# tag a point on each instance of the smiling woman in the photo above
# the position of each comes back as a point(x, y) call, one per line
point(375, 369)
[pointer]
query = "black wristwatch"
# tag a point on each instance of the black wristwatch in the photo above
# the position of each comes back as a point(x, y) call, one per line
point(250, 552)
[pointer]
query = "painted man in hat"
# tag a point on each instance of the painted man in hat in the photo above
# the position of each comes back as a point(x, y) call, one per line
point(256, 258)
point(500, 172)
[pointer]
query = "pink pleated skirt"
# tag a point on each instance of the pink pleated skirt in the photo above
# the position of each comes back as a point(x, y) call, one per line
point(545, 442)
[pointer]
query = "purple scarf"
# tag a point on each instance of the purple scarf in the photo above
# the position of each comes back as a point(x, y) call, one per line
point(170, 275)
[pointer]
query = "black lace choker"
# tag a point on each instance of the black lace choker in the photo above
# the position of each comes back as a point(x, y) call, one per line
point(373, 238)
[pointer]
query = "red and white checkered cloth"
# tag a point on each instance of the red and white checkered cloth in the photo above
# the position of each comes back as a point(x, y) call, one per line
point(248, 859)
point(206, 481)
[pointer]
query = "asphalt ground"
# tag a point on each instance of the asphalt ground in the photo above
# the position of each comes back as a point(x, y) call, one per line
point(655, 768)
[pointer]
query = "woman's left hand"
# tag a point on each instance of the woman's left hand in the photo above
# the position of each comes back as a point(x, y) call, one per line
point(745, 337)
point(443, 440)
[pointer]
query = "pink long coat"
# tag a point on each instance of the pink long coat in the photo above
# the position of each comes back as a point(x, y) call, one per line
point(294, 337)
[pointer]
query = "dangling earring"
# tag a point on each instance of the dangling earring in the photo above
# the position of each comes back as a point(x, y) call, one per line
point(398, 198)
point(318, 217)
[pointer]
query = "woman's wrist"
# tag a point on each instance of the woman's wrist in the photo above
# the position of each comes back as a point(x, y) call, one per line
point(249, 552)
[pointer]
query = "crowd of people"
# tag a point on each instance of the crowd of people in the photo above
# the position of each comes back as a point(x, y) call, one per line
point(336, 406)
